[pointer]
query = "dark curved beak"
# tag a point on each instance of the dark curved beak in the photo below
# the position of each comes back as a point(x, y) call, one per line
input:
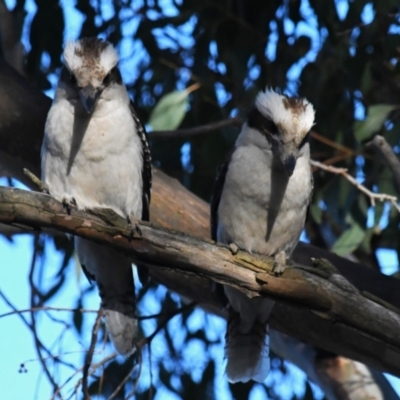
point(289, 164)
point(286, 154)
point(89, 97)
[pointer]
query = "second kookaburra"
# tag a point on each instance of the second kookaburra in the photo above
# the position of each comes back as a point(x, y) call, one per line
point(259, 204)
point(95, 155)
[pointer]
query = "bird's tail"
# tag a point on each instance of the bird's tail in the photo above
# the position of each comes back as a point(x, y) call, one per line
point(247, 340)
point(247, 352)
point(114, 277)
point(119, 310)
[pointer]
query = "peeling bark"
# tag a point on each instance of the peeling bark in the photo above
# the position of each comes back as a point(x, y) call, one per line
point(316, 304)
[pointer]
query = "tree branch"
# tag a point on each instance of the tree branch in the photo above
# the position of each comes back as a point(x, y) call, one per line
point(11, 47)
point(372, 196)
point(23, 112)
point(89, 355)
point(348, 322)
point(382, 147)
point(198, 130)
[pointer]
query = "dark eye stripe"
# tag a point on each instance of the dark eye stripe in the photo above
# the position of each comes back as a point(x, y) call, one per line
point(305, 140)
point(67, 76)
point(263, 124)
point(114, 76)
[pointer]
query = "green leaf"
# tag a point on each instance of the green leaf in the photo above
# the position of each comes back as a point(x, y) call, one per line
point(366, 242)
point(349, 240)
point(316, 212)
point(169, 111)
point(376, 116)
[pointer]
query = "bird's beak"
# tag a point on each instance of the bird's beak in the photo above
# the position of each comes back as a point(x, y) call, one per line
point(287, 155)
point(289, 164)
point(89, 96)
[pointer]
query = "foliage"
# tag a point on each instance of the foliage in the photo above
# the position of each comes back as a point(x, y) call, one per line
point(342, 56)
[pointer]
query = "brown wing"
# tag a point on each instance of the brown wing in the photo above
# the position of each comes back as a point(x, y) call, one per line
point(146, 169)
point(216, 194)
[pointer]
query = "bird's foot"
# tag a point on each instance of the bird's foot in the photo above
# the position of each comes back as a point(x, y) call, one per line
point(279, 263)
point(233, 247)
point(45, 189)
point(134, 227)
point(68, 203)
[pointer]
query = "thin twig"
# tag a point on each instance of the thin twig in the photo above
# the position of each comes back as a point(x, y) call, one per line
point(198, 130)
point(164, 314)
point(93, 369)
point(135, 385)
point(127, 376)
point(89, 355)
point(82, 310)
point(24, 320)
point(331, 143)
point(34, 293)
point(41, 186)
point(46, 308)
point(102, 362)
point(372, 196)
point(163, 323)
point(383, 148)
point(151, 375)
point(147, 340)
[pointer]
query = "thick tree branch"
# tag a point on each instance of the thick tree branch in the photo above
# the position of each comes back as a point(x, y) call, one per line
point(23, 111)
point(10, 45)
point(349, 323)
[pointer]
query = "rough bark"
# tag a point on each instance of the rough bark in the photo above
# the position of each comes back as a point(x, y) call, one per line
point(10, 31)
point(316, 304)
point(23, 112)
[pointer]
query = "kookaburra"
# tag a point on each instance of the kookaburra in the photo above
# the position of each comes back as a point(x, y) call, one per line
point(95, 154)
point(259, 204)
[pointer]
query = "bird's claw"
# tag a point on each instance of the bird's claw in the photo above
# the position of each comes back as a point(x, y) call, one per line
point(233, 247)
point(134, 227)
point(279, 263)
point(68, 203)
point(45, 189)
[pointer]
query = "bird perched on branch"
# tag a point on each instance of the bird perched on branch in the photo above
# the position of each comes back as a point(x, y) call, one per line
point(95, 154)
point(259, 205)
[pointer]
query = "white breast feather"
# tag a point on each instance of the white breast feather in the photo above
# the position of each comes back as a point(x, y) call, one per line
point(106, 171)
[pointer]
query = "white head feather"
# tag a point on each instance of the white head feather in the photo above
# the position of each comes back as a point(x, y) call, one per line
point(71, 61)
point(293, 116)
point(90, 52)
point(108, 58)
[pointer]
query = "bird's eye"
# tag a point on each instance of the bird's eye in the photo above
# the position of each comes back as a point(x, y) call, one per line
point(270, 127)
point(109, 77)
point(305, 140)
point(72, 79)
point(264, 125)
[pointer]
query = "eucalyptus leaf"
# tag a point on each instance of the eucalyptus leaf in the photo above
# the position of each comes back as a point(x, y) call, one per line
point(377, 114)
point(169, 111)
point(349, 240)
point(316, 212)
